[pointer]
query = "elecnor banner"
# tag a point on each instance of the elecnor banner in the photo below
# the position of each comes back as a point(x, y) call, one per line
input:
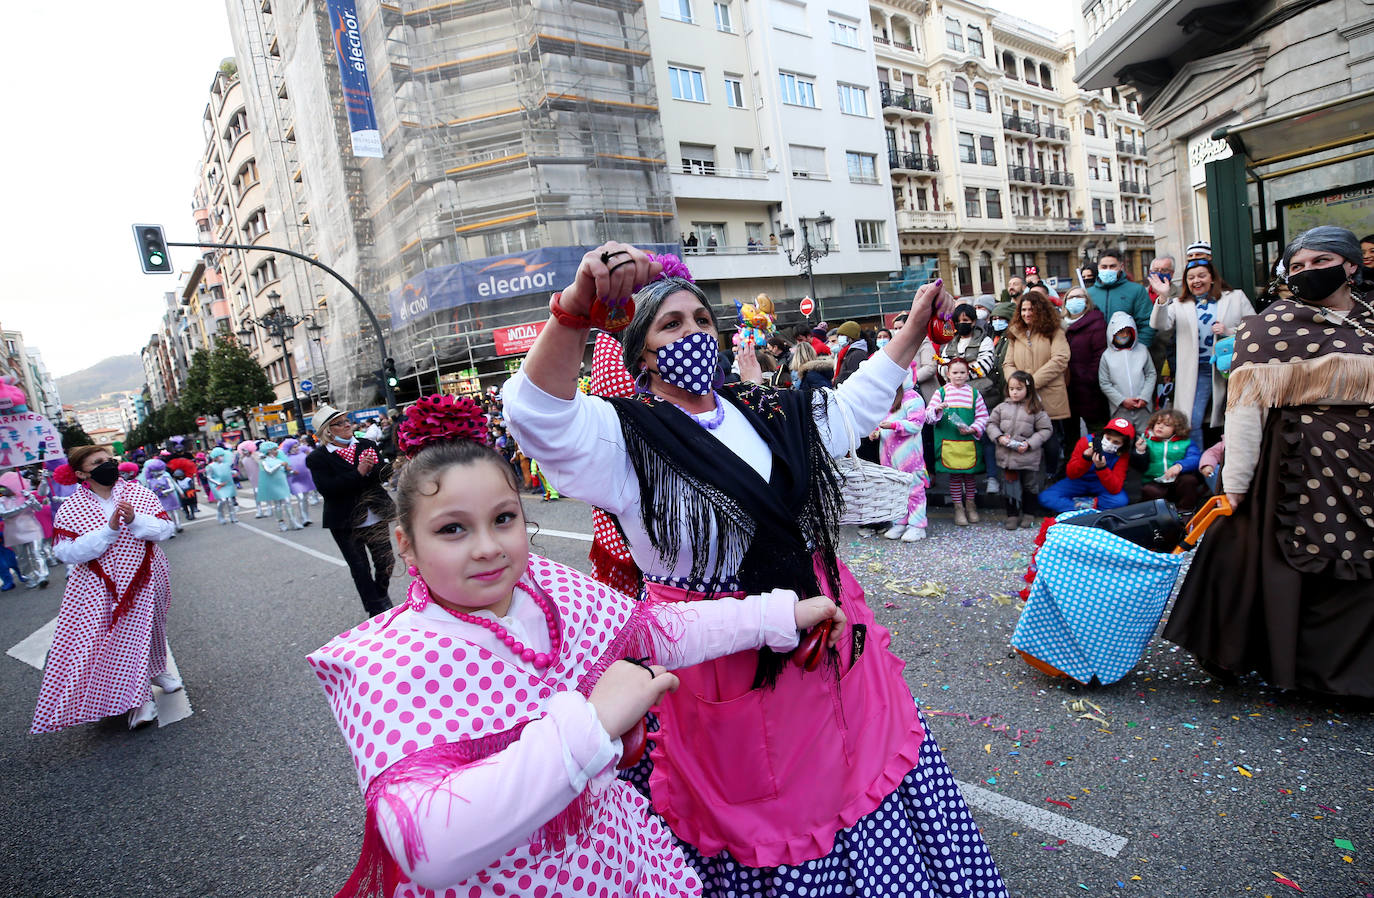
point(496, 277)
point(517, 338)
point(348, 45)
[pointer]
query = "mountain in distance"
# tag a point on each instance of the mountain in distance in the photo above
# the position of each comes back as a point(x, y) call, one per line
point(116, 374)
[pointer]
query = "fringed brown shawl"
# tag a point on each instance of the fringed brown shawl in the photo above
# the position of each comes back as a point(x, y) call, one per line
point(1317, 373)
point(1294, 354)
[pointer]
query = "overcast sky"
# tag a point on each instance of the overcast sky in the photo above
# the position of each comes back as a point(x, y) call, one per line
point(105, 104)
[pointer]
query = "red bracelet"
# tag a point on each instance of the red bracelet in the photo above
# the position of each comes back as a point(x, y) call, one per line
point(566, 318)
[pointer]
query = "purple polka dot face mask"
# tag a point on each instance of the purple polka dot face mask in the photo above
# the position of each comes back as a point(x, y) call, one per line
point(690, 363)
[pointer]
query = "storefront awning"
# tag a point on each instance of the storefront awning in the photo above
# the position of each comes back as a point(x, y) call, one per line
point(1314, 129)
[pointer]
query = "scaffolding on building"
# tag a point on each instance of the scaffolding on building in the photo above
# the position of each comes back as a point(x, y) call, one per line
point(510, 125)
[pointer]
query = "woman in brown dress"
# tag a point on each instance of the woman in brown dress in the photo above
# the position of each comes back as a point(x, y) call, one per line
point(1285, 586)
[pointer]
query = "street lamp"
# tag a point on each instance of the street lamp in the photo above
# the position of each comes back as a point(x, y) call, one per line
point(280, 326)
point(809, 253)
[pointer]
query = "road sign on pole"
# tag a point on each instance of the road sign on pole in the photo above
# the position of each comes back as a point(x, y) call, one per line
point(202, 421)
point(307, 386)
point(808, 306)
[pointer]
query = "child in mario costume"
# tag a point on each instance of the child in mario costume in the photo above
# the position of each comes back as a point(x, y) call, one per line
point(1096, 468)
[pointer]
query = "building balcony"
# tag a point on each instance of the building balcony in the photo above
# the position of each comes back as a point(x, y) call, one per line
point(726, 184)
point(919, 220)
point(202, 216)
point(1023, 125)
point(1076, 224)
point(1025, 174)
point(1139, 228)
point(723, 263)
point(916, 164)
point(1130, 148)
point(1041, 223)
point(1058, 179)
point(905, 103)
point(1054, 133)
point(1139, 188)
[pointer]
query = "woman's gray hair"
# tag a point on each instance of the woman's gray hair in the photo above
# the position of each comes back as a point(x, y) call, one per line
point(1327, 238)
point(648, 301)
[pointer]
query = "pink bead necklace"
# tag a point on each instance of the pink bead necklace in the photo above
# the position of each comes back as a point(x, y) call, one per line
point(541, 660)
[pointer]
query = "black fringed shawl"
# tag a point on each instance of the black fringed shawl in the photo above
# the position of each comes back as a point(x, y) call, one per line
point(767, 531)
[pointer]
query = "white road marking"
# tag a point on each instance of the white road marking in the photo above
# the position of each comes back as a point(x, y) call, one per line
point(297, 546)
point(1029, 815)
point(33, 649)
point(562, 534)
point(171, 707)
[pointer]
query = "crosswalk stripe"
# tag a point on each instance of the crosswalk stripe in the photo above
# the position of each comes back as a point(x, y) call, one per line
point(1082, 834)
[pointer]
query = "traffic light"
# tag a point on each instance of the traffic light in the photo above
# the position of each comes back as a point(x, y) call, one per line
point(152, 249)
point(389, 372)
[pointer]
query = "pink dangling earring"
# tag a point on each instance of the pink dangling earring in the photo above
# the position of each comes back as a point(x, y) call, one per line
point(417, 596)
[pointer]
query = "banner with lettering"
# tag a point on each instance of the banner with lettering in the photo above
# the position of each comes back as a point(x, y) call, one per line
point(517, 338)
point(357, 92)
point(496, 277)
point(27, 438)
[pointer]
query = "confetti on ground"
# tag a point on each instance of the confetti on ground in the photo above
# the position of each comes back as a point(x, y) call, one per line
point(1284, 880)
point(1345, 845)
point(1062, 804)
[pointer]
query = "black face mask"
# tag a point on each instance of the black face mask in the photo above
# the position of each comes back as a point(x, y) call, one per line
point(106, 473)
point(964, 328)
point(1312, 285)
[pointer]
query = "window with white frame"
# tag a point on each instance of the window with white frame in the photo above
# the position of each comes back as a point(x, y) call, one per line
point(1097, 211)
point(797, 90)
point(697, 158)
point(256, 225)
point(687, 84)
point(961, 94)
point(807, 162)
point(954, 35)
point(975, 40)
point(744, 161)
point(678, 10)
point(994, 203)
point(863, 167)
point(871, 233)
point(973, 202)
point(987, 150)
point(723, 22)
point(734, 92)
point(845, 33)
point(264, 274)
point(1092, 167)
point(710, 234)
point(968, 151)
point(1105, 168)
point(982, 101)
point(1111, 211)
point(853, 100)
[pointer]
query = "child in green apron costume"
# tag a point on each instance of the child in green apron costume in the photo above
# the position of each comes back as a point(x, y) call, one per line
point(960, 416)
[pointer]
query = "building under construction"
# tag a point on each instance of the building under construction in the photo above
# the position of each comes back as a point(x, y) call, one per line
point(515, 134)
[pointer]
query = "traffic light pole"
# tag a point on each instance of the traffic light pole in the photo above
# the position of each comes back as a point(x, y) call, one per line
point(371, 316)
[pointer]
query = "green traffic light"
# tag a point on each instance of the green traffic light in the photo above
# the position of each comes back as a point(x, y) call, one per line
point(155, 258)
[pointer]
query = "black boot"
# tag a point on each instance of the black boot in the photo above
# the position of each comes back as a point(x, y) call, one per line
point(1031, 512)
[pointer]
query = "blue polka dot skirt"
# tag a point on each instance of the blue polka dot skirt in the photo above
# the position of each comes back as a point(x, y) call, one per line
point(920, 842)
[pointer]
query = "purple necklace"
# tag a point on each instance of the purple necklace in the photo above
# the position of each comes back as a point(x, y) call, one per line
point(716, 419)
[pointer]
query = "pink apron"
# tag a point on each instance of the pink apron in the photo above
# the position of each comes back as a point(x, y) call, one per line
point(771, 775)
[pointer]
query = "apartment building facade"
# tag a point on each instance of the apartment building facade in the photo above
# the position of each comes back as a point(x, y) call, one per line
point(771, 123)
point(998, 161)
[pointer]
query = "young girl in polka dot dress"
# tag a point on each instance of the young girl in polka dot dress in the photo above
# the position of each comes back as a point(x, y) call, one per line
point(487, 715)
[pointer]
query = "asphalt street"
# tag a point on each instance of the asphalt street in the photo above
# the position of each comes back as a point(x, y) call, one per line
point(1164, 784)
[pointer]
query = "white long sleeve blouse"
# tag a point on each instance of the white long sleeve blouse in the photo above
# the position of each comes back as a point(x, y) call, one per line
point(580, 447)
